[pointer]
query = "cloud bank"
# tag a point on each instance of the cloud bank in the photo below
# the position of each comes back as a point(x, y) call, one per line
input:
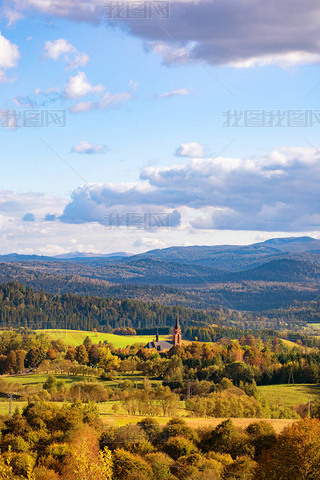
point(274, 192)
point(241, 33)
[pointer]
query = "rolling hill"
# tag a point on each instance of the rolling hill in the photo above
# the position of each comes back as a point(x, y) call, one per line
point(251, 277)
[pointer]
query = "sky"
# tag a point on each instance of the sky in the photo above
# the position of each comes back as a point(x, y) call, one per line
point(133, 126)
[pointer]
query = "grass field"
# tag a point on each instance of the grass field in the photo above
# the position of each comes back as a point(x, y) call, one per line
point(36, 379)
point(4, 406)
point(289, 344)
point(109, 418)
point(120, 420)
point(290, 395)
point(76, 337)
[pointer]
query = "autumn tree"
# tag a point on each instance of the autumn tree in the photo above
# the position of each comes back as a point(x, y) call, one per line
point(20, 356)
point(295, 455)
point(85, 461)
point(87, 342)
point(11, 363)
point(82, 355)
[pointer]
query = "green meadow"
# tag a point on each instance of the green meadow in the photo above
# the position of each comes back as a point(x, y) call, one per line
point(76, 337)
point(290, 395)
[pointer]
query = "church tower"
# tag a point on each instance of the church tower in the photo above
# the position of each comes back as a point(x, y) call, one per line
point(176, 335)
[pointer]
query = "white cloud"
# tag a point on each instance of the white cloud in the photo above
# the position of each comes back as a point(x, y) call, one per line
point(274, 192)
point(172, 54)
point(82, 107)
point(9, 56)
point(18, 205)
point(175, 93)
point(84, 147)
point(109, 100)
point(57, 48)
point(60, 48)
point(79, 86)
point(150, 243)
point(192, 149)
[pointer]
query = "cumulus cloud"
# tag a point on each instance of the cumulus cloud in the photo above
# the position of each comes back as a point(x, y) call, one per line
point(84, 147)
point(233, 32)
point(9, 56)
point(61, 49)
point(114, 205)
point(192, 149)
point(273, 192)
point(79, 86)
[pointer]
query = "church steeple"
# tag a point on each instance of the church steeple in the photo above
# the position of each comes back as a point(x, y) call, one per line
point(176, 335)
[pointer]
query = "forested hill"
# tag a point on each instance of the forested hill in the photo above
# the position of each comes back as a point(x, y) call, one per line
point(21, 306)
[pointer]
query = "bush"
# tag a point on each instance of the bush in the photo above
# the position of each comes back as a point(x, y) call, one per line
point(160, 464)
point(151, 428)
point(179, 446)
point(225, 438)
point(242, 468)
point(16, 443)
point(43, 473)
point(126, 463)
point(262, 436)
point(178, 427)
point(21, 463)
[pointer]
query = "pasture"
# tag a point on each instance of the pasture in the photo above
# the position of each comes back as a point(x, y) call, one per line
point(76, 337)
point(109, 418)
point(290, 395)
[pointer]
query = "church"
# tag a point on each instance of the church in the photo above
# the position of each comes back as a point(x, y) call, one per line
point(163, 345)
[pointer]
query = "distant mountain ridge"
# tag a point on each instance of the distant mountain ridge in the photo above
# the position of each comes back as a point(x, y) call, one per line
point(223, 257)
point(259, 276)
point(78, 255)
point(236, 258)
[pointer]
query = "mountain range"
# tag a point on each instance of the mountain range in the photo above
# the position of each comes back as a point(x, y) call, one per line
point(292, 262)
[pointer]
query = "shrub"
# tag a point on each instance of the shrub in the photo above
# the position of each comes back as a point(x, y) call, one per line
point(178, 427)
point(43, 473)
point(242, 468)
point(17, 443)
point(126, 463)
point(179, 446)
point(151, 428)
point(21, 463)
point(225, 438)
point(262, 436)
point(160, 464)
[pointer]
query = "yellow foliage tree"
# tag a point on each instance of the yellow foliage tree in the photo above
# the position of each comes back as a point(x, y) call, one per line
point(85, 461)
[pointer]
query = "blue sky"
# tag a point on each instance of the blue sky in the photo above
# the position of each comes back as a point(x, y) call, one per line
point(144, 103)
